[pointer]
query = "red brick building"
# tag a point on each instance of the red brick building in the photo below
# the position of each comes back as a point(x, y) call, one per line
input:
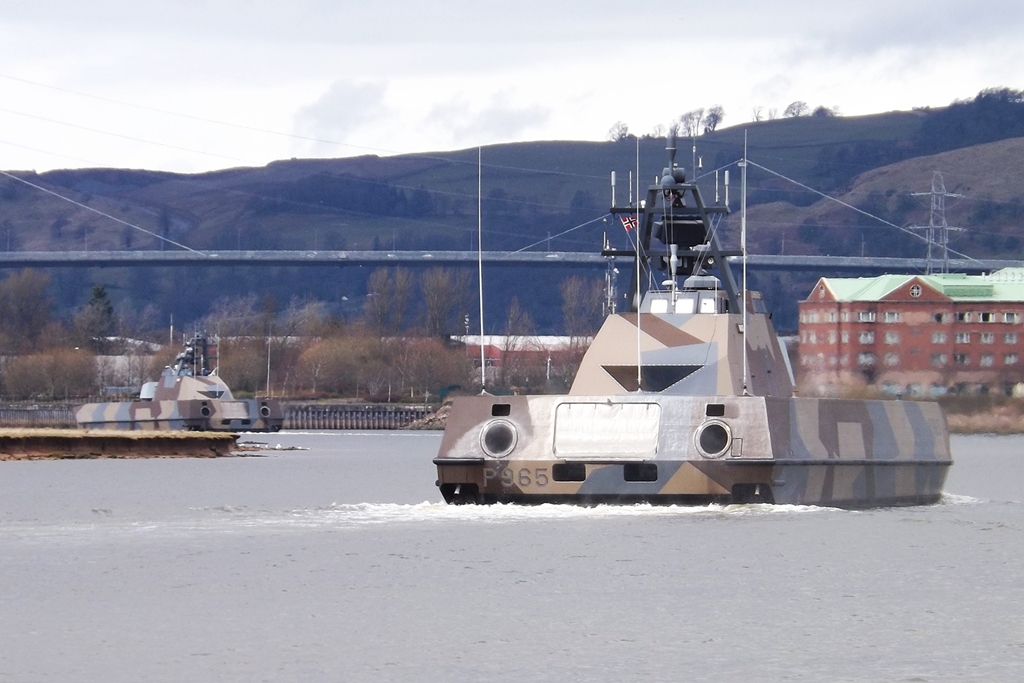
point(918, 335)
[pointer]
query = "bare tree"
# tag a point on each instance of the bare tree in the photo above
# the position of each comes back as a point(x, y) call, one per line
point(581, 307)
point(379, 297)
point(689, 123)
point(24, 309)
point(303, 318)
point(402, 278)
point(757, 114)
point(796, 109)
point(618, 131)
point(440, 299)
point(235, 317)
point(773, 114)
point(713, 118)
point(518, 325)
point(823, 112)
point(658, 131)
point(60, 373)
point(387, 299)
point(429, 366)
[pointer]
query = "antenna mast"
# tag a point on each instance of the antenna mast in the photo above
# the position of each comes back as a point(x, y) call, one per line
point(639, 363)
point(480, 264)
point(743, 249)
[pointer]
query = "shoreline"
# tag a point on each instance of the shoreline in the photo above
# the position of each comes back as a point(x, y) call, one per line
point(76, 444)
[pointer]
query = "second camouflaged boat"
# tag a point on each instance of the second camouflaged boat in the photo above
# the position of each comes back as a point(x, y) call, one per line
point(667, 407)
point(189, 396)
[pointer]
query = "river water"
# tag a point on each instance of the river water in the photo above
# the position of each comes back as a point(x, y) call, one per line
point(340, 563)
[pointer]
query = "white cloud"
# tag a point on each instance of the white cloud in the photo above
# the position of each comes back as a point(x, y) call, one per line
point(338, 114)
point(417, 75)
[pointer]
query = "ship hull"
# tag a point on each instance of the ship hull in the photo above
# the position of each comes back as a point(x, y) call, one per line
point(211, 415)
point(685, 450)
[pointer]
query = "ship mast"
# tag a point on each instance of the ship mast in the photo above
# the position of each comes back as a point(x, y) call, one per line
point(674, 215)
point(480, 264)
point(743, 248)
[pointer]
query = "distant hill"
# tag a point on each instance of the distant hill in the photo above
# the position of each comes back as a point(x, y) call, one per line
point(533, 191)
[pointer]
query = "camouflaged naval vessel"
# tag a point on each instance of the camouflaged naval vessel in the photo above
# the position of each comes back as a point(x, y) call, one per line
point(688, 418)
point(188, 396)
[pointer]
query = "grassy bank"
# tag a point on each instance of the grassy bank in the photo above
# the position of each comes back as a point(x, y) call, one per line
point(991, 414)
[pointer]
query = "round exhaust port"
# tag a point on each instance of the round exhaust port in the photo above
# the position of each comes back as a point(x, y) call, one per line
point(713, 439)
point(498, 438)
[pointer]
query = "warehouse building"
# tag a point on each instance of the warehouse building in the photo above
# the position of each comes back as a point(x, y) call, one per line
point(915, 335)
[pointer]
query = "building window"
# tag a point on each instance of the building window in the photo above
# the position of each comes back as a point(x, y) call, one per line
point(963, 317)
point(865, 316)
point(803, 317)
point(831, 316)
point(892, 338)
point(987, 338)
point(1011, 318)
point(844, 360)
point(963, 338)
point(915, 291)
point(846, 316)
point(987, 360)
point(938, 337)
point(892, 359)
point(987, 317)
point(845, 336)
point(832, 361)
point(941, 317)
point(831, 337)
point(961, 359)
point(1010, 338)
point(892, 316)
point(813, 338)
point(865, 359)
point(867, 337)
point(1010, 359)
point(939, 360)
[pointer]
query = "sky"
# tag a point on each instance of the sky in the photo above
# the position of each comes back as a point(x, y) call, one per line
point(199, 85)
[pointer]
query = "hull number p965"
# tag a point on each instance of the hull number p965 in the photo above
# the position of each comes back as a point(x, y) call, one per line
point(520, 476)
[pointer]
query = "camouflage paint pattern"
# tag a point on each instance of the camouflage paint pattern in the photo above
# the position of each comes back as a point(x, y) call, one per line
point(673, 403)
point(184, 400)
point(249, 415)
point(694, 440)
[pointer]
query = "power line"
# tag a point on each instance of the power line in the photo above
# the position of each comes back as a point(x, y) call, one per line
point(97, 211)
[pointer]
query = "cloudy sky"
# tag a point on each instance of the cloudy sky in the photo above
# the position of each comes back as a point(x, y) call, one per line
point(196, 85)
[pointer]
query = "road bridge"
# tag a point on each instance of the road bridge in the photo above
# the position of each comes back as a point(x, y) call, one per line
point(826, 265)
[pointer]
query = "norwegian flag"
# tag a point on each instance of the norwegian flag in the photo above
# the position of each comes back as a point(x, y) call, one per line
point(629, 220)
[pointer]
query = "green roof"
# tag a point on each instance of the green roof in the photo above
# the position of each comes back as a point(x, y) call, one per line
point(1002, 285)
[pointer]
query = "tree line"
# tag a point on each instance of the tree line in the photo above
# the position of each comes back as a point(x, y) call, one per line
point(390, 352)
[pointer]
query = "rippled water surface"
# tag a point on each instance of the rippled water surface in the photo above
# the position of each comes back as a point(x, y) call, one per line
point(340, 563)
